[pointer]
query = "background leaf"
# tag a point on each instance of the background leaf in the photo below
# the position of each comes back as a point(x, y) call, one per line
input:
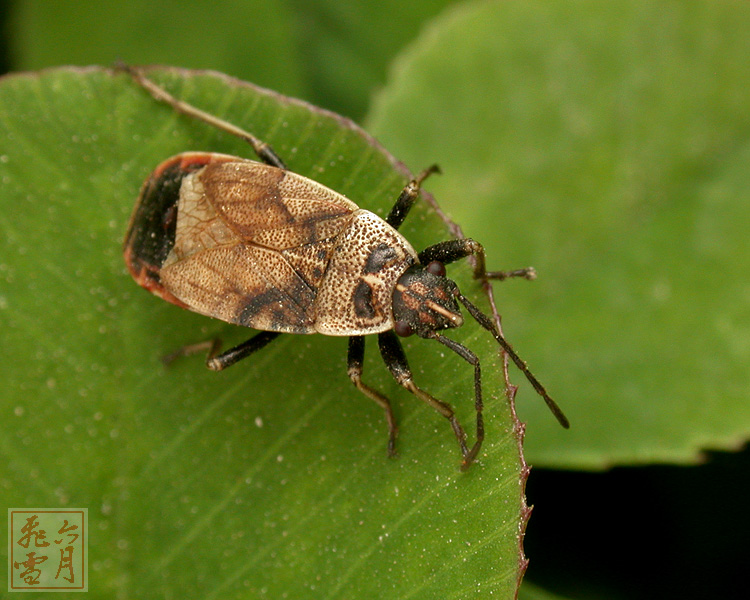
point(227, 37)
point(346, 47)
point(606, 144)
point(331, 53)
point(269, 479)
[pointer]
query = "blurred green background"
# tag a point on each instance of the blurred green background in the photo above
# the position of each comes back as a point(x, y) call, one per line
point(604, 143)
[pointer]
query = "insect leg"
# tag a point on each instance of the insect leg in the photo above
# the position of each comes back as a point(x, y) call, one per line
point(473, 360)
point(211, 347)
point(355, 360)
point(407, 198)
point(453, 250)
point(243, 350)
point(395, 359)
point(261, 148)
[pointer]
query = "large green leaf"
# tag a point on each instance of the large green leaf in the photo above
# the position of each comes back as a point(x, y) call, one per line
point(269, 479)
point(346, 47)
point(248, 38)
point(331, 53)
point(607, 144)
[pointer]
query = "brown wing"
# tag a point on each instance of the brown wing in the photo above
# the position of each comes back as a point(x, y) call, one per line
point(252, 243)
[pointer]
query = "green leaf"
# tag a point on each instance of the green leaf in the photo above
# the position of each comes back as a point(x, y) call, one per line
point(346, 47)
point(332, 53)
point(267, 480)
point(250, 39)
point(605, 143)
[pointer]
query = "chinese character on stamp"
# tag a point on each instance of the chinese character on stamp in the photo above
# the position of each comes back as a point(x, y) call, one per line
point(47, 549)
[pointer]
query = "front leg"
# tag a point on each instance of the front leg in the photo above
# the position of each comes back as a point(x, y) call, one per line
point(453, 250)
point(407, 198)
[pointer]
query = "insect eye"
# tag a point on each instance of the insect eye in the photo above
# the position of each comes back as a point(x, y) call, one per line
point(436, 268)
point(403, 329)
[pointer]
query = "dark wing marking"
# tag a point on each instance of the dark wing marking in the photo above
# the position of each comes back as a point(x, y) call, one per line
point(246, 285)
point(152, 228)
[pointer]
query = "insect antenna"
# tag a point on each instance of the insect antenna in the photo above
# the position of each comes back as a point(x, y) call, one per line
point(485, 322)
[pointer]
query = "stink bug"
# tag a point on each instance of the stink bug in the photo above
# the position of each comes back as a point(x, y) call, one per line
point(255, 244)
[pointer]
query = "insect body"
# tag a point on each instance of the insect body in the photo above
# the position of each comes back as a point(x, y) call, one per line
point(257, 245)
point(262, 247)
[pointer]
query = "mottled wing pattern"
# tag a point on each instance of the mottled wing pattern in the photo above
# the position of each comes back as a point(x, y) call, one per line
point(252, 244)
